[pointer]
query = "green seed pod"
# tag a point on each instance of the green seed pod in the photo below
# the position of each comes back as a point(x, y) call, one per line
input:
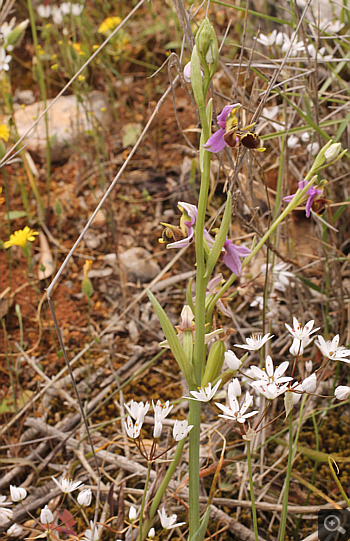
point(214, 364)
point(87, 287)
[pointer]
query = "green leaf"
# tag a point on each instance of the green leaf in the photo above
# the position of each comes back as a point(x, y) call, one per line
point(15, 214)
point(309, 284)
point(185, 366)
point(200, 533)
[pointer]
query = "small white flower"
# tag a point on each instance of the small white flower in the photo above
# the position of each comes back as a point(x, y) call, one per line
point(282, 277)
point(151, 533)
point(305, 137)
point(273, 391)
point(17, 493)
point(133, 431)
point(65, 8)
point(44, 11)
point(270, 377)
point(301, 336)
point(5, 514)
point(297, 47)
point(258, 301)
point(204, 395)
point(15, 530)
point(46, 516)
point(310, 383)
point(84, 497)
point(254, 343)
point(308, 366)
point(331, 27)
point(56, 15)
point(77, 9)
point(181, 429)
point(235, 412)
point(88, 533)
point(232, 361)
point(268, 40)
point(132, 513)
point(293, 141)
point(168, 522)
point(313, 148)
point(342, 392)
point(67, 485)
point(5, 60)
point(161, 410)
point(319, 55)
point(332, 350)
point(137, 410)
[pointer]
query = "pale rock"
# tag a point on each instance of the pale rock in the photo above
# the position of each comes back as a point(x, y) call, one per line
point(139, 265)
point(68, 120)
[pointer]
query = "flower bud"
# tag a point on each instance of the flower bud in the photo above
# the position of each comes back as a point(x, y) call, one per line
point(203, 36)
point(132, 513)
point(46, 516)
point(84, 497)
point(309, 384)
point(342, 392)
point(332, 152)
point(232, 360)
point(151, 533)
point(17, 493)
point(215, 361)
point(308, 366)
point(181, 429)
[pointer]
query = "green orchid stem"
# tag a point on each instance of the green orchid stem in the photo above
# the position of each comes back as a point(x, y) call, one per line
point(286, 485)
point(162, 488)
point(252, 497)
point(199, 352)
point(149, 468)
point(298, 198)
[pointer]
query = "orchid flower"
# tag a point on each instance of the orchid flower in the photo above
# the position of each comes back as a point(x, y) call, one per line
point(216, 142)
point(186, 229)
point(310, 196)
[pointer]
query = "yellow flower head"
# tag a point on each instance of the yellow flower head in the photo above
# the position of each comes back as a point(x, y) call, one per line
point(109, 24)
point(2, 199)
point(4, 132)
point(19, 238)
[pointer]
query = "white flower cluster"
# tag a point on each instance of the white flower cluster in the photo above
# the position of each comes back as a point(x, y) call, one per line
point(285, 42)
point(271, 382)
point(138, 410)
point(58, 12)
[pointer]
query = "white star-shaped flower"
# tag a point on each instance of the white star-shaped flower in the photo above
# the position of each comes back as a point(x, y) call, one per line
point(255, 342)
point(168, 522)
point(235, 412)
point(332, 350)
point(137, 410)
point(133, 430)
point(5, 514)
point(204, 395)
point(67, 485)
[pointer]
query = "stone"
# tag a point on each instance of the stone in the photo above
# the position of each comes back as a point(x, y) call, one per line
point(139, 265)
point(69, 119)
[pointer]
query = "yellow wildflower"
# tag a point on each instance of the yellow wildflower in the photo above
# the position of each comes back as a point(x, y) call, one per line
point(4, 132)
point(81, 78)
point(77, 47)
point(109, 24)
point(19, 238)
point(2, 199)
